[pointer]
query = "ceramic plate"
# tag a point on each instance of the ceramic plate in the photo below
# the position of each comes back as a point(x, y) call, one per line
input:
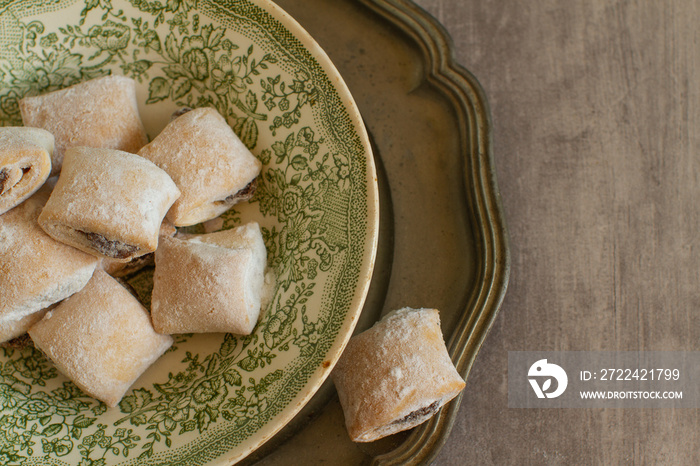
point(212, 398)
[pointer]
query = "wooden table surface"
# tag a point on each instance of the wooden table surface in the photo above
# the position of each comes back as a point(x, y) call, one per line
point(596, 114)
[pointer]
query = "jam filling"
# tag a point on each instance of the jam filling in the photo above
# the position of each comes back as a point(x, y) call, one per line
point(179, 112)
point(109, 248)
point(419, 413)
point(3, 178)
point(4, 175)
point(242, 195)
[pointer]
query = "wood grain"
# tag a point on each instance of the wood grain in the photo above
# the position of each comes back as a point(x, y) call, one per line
point(596, 113)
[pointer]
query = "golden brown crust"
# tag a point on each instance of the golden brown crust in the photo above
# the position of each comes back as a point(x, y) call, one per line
point(395, 375)
point(99, 113)
point(108, 203)
point(101, 338)
point(25, 163)
point(207, 161)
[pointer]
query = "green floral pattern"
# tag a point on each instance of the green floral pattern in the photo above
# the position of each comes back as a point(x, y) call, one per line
point(207, 396)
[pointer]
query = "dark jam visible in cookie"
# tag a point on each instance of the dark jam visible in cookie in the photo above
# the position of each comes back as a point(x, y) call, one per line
point(135, 264)
point(419, 413)
point(3, 178)
point(110, 248)
point(178, 113)
point(4, 175)
point(243, 195)
point(19, 342)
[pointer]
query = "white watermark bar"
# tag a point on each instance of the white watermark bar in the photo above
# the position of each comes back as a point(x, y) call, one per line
point(604, 379)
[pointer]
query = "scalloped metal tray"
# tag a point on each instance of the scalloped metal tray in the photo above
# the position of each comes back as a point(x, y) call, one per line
point(443, 240)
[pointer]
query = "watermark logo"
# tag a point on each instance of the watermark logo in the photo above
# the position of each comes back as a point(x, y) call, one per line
point(599, 379)
point(544, 372)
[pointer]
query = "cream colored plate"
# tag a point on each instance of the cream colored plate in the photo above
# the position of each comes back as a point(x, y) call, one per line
point(213, 398)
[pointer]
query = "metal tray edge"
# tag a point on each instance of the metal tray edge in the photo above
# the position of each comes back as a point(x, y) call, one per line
point(470, 104)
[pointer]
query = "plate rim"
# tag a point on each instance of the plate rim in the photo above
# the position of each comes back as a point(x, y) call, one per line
point(372, 238)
